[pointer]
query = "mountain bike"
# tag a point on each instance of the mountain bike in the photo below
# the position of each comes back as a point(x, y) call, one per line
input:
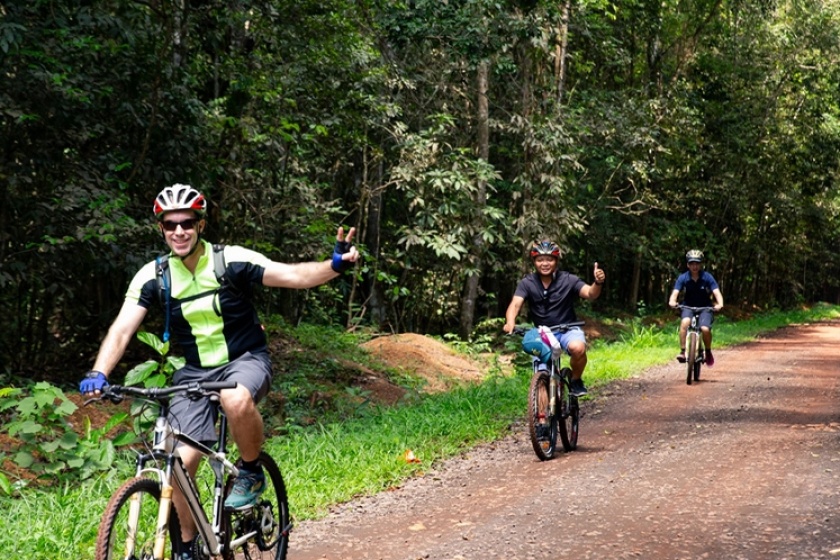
point(552, 409)
point(140, 517)
point(695, 355)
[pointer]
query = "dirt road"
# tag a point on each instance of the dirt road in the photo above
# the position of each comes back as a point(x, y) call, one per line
point(744, 464)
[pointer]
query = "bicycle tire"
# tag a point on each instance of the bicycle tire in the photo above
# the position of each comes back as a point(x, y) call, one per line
point(569, 416)
point(691, 357)
point(112, 539)
point(542, 426)
point(269, 520)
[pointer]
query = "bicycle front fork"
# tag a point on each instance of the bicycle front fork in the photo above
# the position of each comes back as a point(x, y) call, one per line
point(554, 389)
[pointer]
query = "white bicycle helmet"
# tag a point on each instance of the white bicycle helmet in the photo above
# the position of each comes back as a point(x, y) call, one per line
point(179, 197)
point(694, 255)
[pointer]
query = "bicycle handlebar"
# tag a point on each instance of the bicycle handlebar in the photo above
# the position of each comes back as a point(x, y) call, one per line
point(196, 390)
point(522, 329)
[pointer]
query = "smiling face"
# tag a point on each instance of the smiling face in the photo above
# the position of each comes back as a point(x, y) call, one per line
point(181, 229)
point(545, 264)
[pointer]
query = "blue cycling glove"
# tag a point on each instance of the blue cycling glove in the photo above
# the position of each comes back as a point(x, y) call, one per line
point(93, 381)
point(338, 264)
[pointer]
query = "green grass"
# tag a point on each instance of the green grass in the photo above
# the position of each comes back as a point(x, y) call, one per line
point(332, 463)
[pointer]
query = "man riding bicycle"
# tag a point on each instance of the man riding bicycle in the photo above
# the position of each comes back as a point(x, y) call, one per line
point(551, 295)
point(700, 288)
point(217, 326)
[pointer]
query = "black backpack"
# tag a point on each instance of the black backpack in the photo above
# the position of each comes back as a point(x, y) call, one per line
point(164, 282)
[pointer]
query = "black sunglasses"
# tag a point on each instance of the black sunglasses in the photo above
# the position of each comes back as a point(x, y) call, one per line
point(169, 225)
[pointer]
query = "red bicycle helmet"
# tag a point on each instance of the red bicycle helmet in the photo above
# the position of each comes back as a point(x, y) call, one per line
point(548, 248)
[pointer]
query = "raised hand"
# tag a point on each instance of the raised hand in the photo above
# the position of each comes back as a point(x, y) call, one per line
point(599, 274)
point(344, 254)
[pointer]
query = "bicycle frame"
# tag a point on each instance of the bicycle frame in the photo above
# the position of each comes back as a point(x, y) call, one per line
point(164, 451)
point(139, 517)
point(555, 378)
point(694, 344)
point(553, 411)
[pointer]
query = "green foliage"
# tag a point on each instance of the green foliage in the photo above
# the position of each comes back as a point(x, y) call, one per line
point(672, 125)
point(48, 445)
point(154, 373)
point(151, 373)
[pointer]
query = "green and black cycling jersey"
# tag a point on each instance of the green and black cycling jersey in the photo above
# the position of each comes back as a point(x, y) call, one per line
point(213, 326)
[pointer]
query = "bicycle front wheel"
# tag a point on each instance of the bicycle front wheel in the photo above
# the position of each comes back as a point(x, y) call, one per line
point(699, 362)
point(128, 526)
point(542, 425)
point(691, 357)
point(261, 532)
point(569, 416)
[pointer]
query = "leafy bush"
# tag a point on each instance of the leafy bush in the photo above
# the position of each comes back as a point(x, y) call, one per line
point(49, 447)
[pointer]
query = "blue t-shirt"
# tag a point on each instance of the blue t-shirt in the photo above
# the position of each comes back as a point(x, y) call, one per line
point(553, 305)
point(698, 293)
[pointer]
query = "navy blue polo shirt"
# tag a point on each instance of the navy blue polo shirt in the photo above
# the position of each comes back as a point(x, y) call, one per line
point(553, 305)
point(698, 293)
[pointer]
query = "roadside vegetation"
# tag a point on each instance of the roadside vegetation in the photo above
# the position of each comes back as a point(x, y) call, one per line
point(356, 448)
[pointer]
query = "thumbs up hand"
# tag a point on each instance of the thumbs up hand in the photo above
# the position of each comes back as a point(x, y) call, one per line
point(599, 275)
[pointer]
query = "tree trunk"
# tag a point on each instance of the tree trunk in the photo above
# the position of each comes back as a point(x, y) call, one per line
point(377, 302)
point(470, 295)
point(635, 284)
point(560, 51)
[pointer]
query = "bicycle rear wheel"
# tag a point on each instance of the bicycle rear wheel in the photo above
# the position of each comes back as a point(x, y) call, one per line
point(542, 426)
point(127, 529)
point(569, 412)
point(691, 357)
point(261, 532)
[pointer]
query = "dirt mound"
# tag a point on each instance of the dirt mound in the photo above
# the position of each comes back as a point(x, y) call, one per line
point(425, 357)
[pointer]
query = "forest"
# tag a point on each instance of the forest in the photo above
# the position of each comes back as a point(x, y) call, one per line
point(451, 134)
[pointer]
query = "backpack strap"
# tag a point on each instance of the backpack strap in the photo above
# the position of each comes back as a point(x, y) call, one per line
point(219, 265)
point(220, 270)
point(164, 283)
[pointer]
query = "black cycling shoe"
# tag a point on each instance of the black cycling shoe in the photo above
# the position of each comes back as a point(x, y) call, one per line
point(578, 389)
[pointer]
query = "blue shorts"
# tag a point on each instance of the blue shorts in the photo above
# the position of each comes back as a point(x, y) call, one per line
point(533, 343)
point(197, 419)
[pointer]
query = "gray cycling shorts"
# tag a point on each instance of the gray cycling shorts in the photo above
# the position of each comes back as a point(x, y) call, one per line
point(197, 419)
point(706, 318)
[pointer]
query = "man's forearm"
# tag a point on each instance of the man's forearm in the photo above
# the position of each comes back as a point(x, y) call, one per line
point(110, 352)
